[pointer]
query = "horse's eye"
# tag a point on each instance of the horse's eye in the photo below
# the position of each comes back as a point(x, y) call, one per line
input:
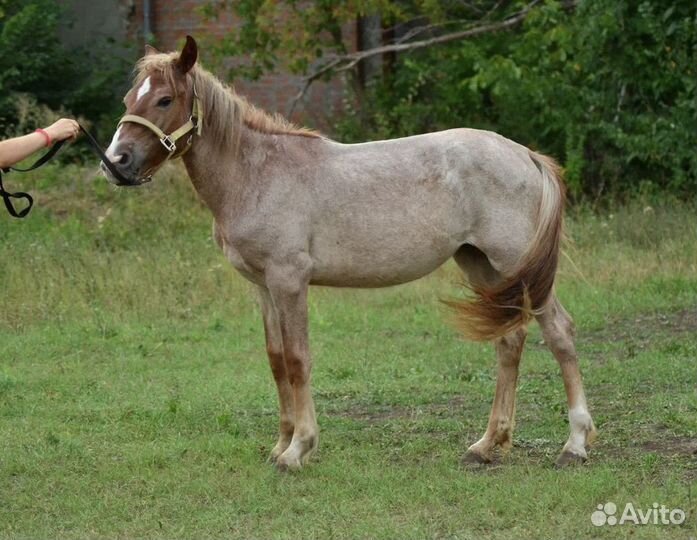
point(164, 102)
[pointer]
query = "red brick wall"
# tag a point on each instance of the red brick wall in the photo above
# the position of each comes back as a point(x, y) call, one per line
point(171, 21)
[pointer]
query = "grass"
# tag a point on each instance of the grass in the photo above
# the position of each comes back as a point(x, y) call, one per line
point(136, 400)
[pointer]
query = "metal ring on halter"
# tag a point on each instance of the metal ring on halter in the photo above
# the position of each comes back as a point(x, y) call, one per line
point(169, 144)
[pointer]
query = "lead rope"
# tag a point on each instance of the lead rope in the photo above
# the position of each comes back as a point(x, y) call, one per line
point(194, 125)
point(7, 196)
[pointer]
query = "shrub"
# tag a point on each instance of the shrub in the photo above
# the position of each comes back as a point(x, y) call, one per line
point(609, 89)
point(40, 78)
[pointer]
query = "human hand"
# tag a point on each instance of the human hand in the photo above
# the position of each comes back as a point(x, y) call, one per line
point(65, 128)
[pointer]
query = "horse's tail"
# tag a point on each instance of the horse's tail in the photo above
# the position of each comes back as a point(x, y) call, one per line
point(496, 311)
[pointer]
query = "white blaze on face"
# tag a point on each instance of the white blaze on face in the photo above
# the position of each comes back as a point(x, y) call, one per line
point(111, 151)
point(144, 89)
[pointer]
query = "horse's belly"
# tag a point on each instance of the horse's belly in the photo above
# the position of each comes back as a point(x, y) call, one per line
point(359, 278)
point(382, 265)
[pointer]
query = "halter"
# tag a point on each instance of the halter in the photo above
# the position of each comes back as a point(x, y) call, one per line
point(7, 196)
point(170, 141)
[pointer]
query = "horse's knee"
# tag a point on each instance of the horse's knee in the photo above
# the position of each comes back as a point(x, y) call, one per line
point(277, 363)
point(558, 331)
point(561, 342)
point(298, 367)
point(565, 321)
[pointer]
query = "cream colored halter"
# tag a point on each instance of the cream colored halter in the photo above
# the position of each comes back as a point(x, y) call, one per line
point(170, 141)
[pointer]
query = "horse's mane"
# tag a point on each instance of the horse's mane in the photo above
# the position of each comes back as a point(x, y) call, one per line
point(223, 109)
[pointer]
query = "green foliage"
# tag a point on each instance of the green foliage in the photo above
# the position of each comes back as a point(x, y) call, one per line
point(289, 33)
point(609, 88)
point(37, 62)
point(41, 78)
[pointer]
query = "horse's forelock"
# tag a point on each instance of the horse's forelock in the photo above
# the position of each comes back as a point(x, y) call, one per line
point(162, 63)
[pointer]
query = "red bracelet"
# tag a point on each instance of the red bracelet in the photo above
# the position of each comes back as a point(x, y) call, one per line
point(46, 136)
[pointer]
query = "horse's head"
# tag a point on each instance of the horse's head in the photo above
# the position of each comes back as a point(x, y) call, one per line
point(162, 116)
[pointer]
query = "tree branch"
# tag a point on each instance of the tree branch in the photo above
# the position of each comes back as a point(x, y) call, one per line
point(342, 62)
point(418, 30)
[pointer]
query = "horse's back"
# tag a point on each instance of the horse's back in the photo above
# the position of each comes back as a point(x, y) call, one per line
point(391, 211)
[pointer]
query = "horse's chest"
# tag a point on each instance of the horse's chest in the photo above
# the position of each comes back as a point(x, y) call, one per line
point(242, 260)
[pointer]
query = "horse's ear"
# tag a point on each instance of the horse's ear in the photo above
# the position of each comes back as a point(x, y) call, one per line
point(188, 56)
point(149, 49)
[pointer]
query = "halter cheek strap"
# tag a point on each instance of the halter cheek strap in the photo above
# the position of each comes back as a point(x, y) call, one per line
point(170, 141)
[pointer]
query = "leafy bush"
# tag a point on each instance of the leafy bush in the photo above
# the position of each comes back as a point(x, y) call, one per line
point(40, 78)
point(610, 89)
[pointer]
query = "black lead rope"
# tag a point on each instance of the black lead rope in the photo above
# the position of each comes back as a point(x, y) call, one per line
point(7, 196)
point(109, 165)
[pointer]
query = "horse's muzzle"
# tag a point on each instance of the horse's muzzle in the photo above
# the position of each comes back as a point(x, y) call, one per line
point(126, 180)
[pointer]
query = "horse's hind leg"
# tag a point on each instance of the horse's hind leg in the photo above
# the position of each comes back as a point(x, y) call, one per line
point(274, 349)
point(558, 332)
point(499, 431)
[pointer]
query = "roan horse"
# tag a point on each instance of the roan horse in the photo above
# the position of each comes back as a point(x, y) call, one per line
point(292, 209)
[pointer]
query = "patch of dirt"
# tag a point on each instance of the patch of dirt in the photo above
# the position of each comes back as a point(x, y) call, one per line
point(634, 334)
point(671, 446)
point(662, 442)
point(377, 414)
point(654, 439)
point(642, 328)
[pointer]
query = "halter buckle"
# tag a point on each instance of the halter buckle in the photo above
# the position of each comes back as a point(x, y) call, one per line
point(168, 144)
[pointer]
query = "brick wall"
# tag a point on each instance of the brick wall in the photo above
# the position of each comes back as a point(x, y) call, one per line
point(171, 21)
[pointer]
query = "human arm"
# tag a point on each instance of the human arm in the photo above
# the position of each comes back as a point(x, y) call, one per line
point(18, 148)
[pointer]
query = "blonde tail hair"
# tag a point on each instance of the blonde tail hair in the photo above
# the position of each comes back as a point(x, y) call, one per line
point(496, 311)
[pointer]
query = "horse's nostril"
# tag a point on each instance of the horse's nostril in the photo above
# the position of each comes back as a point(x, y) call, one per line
point(125, 158)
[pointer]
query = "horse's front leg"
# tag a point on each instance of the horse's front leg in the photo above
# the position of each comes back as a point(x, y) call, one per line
point(287, 285)
point(274, 349)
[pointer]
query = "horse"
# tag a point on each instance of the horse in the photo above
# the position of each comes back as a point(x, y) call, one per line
point(292, 208)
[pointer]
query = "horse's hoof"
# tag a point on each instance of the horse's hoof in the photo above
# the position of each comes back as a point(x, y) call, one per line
point(474, 459)
point(569, 459)
point(287, 465)
point(277, 451)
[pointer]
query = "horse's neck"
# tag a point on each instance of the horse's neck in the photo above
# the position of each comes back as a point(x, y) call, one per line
point(218, 173)
point(225, 177)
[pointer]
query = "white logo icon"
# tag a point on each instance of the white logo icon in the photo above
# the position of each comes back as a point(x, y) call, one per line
point(605, 514)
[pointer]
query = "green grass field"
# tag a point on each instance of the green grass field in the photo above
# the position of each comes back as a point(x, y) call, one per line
point(136, 399)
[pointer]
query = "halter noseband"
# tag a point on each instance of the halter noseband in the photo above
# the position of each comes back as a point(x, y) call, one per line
point(170, 141)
